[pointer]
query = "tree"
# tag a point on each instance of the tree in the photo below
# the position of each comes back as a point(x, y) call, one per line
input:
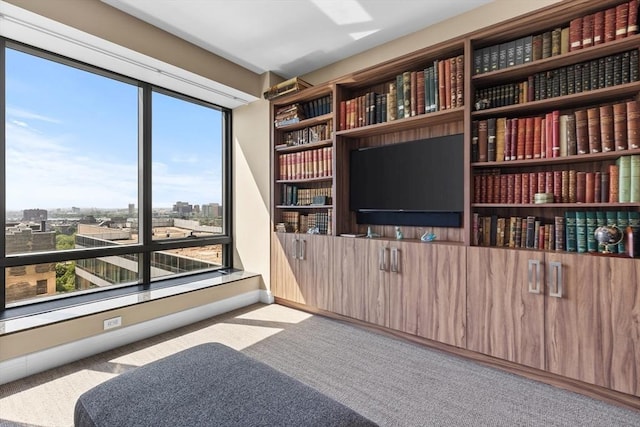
point(66, 276)
point(65, 242)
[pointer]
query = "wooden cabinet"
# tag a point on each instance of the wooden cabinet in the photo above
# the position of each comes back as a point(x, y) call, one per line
point(505, 304)
point(593, 330)
point(427, 295)
point(302, 270)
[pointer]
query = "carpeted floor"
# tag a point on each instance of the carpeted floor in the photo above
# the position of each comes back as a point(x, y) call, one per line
point(390, 381)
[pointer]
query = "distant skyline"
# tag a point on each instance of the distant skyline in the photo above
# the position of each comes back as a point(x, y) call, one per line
point(72, 140)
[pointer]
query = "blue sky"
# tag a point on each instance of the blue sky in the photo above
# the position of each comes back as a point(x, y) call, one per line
point(72, 141)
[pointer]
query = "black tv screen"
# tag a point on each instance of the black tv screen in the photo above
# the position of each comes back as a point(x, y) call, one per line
point(423, 176)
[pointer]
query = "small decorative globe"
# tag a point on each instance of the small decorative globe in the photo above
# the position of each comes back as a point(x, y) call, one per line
point(607, 236)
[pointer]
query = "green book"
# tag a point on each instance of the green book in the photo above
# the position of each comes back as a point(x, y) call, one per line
point(624, 179)
point(634, 223)
point(622, 223)
point(634, 178)
point(581, 231)
point(571, 244)
point(592, 224)
point(601, 219)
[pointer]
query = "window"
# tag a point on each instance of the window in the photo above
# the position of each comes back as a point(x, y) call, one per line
point(109, 181)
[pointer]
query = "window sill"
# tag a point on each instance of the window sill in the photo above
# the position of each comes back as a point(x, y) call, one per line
point(27, 317)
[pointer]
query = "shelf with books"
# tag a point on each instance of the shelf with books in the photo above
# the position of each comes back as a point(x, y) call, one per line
point(577, 158)
point(573, 205)
point(284, 148)
point(424, 120)
point(565, 59)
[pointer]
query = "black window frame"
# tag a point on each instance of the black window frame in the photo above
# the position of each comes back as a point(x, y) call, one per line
point(146, 245)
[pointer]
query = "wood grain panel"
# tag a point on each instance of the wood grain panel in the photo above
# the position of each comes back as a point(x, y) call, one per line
point(349, 272)
point(593, 331)
point(376, 279)
point(314, 273)
point(504, 319)
point(283, 267)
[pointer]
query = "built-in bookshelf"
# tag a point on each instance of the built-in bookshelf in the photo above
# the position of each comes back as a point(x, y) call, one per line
point(548, 106)
point(303, 136)
point(549, 140)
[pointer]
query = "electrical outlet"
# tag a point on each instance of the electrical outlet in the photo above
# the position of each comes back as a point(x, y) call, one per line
point(114, 322)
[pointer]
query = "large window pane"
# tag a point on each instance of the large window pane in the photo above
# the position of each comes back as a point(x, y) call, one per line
point(71, 155)
point(187, 170)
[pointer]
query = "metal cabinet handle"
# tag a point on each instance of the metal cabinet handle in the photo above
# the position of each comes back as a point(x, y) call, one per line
point(394, 260)
point(555, 272)
point(382, 259)
point(295, 248)
point(534, 289)
point(303, 249)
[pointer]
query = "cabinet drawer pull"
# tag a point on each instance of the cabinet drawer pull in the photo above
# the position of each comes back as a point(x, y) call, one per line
point(555, 272)
point(394, 260)
point(534, 289)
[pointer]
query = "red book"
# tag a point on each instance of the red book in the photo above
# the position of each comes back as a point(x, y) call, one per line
point(565, 186)
point(557, 186)
point(573, 185)
point(620, 126)
point(504, 186)
point(496, 189)
point(442, 86)
point(581, 187)
point(520, 139)
point(543, 137)
point(575, 34)
point(483, 141)
point(632, 28)
point(542, 182)
point(622, 20)
point(598, 27)
point(548, 181)
point(420, 108)
point(593, 128)
point(582, 132)
point(533, 185)
point(453, 77)
point(343, 115)
point(525, 188)
point(514, 139)
point(528, 138)
point(477, 187)
point(511, 184)
point(610, 24)
point(507, 140)
point(590, 187)
point(490, 187)
point(413, 100)
point(537, 137)
point(517, 188)
point(555, 133)
point(606, 128)
point(587, 31)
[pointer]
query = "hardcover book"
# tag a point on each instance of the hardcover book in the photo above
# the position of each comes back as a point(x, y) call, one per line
point(571, 244)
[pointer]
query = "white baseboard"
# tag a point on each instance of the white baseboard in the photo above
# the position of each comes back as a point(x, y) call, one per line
point(29, 364)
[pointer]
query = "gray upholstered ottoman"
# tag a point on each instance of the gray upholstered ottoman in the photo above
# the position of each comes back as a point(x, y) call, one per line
point(209, 385)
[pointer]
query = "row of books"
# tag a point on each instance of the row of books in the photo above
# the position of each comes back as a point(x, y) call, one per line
point(294, 113)
point(437, 87)
point(572, 232)
point(315, 133)
point(589, 30)
point(307, 164)
point(312, 222)
point(293, 195)
point(608, 71)
point(602, 128)
point(619, 184)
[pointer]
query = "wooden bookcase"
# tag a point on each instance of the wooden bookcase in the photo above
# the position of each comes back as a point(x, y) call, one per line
point(536, 307)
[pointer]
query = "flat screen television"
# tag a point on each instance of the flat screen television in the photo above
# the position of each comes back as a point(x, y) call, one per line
point(417, 183)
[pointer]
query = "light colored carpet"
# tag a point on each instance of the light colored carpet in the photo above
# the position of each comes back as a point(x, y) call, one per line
point(390, 381)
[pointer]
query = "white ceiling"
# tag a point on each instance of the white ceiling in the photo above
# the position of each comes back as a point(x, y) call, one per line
point(291, 37)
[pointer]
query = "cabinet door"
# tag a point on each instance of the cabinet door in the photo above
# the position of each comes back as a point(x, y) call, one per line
point(427, 293)
point(505, 315)
point(377, 259)
point(284, 265)
point(592, 328)
point(349, 277)
point(314, 269)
